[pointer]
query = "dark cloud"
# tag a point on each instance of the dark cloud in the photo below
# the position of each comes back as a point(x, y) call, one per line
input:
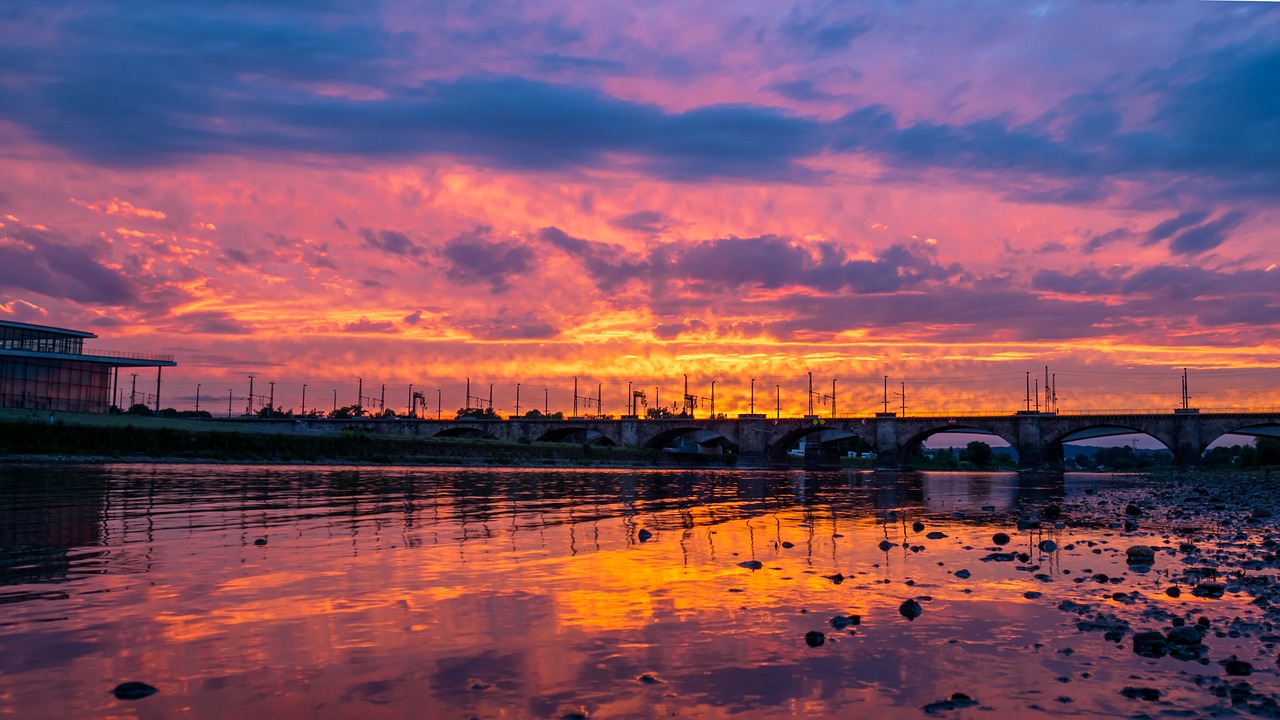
point(338, 223)
point(508, 325)
point(47, 263)
point(1102, 240)
point(1167, 228)
point(649, 222)
point(819, 32)
point(1208, 236)
point(213, 322)
point(392, 242)
point(236, 256)
point(474, 259)
point(802, 90)
point(768, 262)
point(365, 325)
point(413, 318)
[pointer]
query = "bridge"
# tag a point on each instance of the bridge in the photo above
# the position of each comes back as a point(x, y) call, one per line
point(1038, 437)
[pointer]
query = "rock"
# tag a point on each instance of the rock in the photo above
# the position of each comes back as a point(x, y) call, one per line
point(1141, 693)
point(1000, 557)
point(751, 564)
point(788, 545)
point(1261, 513)
point(813, 638)
point(935, 535)
point(1150, 644)
point(962, 574)
point(955, 702)
point(1133, 510)
point(1209, 590)
point(1173, 592)
point(917, 526)
point(1032, 594)
point(1048, 546)
point(1028, 524)
point(885, 545)
point(649, 679)
point(910, 609)
point(1140, 555)
point(1051, 512)
point(260, 542)
point(841, 622)
point(644, 535)
point(836, 579)
point(1000, 538)
point(1238, 667)
point(1130, 526)
point(133, 690)
point(1184, 636)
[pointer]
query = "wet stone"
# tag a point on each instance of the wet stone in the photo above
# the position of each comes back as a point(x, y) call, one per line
point(1000, 557)
point(260, 542)
point(955, 702)
point(1140, 555)
point(962, 574)
point(886, 545)
point(841, 622)
point(1173, 592)
point(1000, 538)
point(917, 526)
point(1133, 510)
point(649, 679)
point(751, 564)
point(1150, 644)
point(1209, 590)
point(835, 579)
point(644, 535)
point(935, 535)
point(1141, 693)
point(788, 545)
point(133, 690)
point(1048, 546)
point(1237, 667)
point(910, 609)
point(813, 638)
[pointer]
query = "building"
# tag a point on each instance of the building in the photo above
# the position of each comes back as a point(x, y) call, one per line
point(47, 368)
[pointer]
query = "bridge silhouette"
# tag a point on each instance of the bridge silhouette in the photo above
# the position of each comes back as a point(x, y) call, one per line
point(1038, 437)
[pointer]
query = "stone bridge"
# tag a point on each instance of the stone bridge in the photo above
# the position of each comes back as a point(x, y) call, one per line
point(1037, 437)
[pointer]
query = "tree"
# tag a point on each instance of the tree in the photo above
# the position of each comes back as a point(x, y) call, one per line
point(978, 453)
point(1268, 451)
point(477, 414)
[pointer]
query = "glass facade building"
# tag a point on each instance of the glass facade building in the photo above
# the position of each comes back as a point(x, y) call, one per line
point(47, 369)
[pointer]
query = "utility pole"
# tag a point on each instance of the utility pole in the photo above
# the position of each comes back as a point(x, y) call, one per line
point(228, 403)
point(411, 408)
point(904, 398)
point(1028, 391)
point(197, 397)
point(1037, 394)
point(753, 396)
point(777, 396)
point(1046, 388)
point(1054, 393)
point(688, 403)
point(546, 401)
point(271, 402)
point(575, 396)
point(713, 398)
point(335, 401)
point(157, 390)
point(600, 399)
point(359, 396)
point(491, 397)
point(810, 393)
point(133, 390)
point(886, 394)
point(517, 399)
point(631, 400)
point(248, 408)
point(439, 403)
point(382, 399)
point(467, 404)
point(833, 397)
point(304, 399)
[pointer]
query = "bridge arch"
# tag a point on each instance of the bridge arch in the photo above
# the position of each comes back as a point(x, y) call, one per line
point(1054, 453)
point(908, 447)
point(683, 435)
point(780, 445)
point(578, 435)
point(469, 432)
point(1241, 427)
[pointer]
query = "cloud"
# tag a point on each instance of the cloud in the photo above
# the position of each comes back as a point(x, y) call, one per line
point(473, 259)
point(214, 322)
point(365, 325)
point(392, 242)
point(44, 262)
point(1167, 228)
point(508, 324)
point(1208, 236)
point(649, 222)
point(339, 223)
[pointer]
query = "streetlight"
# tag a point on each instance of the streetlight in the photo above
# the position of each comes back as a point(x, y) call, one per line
point(753, 396)
point(197, 397)
point(304, 399)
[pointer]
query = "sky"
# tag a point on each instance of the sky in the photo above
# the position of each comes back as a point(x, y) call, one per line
point(950, 195)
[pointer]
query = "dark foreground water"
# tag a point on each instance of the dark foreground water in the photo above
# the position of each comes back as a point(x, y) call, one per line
point(289, 592)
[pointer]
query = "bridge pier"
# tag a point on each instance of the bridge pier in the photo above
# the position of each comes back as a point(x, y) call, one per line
point(1030, 449)
point(1186, 432)
point(888, 452)
point(753, 440)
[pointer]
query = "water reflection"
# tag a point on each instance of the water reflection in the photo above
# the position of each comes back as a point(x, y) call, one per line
point(374, 592)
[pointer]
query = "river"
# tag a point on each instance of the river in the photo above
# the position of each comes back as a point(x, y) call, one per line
point(373, 592)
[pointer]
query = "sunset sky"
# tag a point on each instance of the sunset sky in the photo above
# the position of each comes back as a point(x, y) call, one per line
point(948, 194)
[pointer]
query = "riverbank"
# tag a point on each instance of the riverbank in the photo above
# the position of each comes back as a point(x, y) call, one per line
point(188, 442)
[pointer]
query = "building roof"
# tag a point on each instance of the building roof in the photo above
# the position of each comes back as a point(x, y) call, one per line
point(47, 329)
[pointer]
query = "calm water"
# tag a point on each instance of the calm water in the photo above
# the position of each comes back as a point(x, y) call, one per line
point(458, 593)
